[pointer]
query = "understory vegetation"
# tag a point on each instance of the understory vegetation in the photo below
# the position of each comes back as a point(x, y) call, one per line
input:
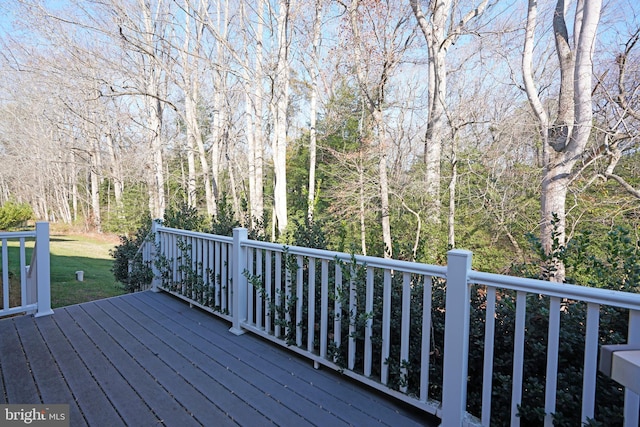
point(14, 215)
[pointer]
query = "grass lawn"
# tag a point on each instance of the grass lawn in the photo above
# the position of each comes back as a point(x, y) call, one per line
point(88, 253)
point(71, 253)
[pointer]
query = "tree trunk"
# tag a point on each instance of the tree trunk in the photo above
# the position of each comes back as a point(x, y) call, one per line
point(440, 32)
point(313, 108)
point(234, 192)
point(566, 140)
point(384, 185)
point(190, 85)
point(191, 169)
point(362, 210)
point(116, 173)
point(374, 100)
point(73, 175)
point(279, 106)
point(95, 193)
point(218, 130)
point(436, 124)
point(157, 203)
point(254, 97)
point(452, 199)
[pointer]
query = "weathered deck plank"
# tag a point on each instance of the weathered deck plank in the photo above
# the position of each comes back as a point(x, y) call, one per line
point(13, 360)
point(174, 372)
point(86, 391)
point(51, 384)
point(149, 359)
point(346, 400)
point(323, 407)
point(155, 396)
point(235, 392)
point(117, 390)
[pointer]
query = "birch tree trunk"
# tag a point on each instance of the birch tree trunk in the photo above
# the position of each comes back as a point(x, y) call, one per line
point(73, 177)
point(191, 53)
point(279, 104)
point(362, 211)
point(190, 89)
point(451, 239)
point(154, 109)
point(95, 191)
point(313, 108)
point(191, 165)
point(116, 172)
point(219, 124)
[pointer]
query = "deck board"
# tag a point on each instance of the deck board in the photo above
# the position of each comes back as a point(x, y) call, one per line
point(116, 388)
point(51, 384)
point(13, 360)
point(263, 378)
point(214, 363)
point(188, 398)
point(186, 382)
point(148, 359)
point(86, 391)
point(345, 399)
point(155, 396)
point(265, 383)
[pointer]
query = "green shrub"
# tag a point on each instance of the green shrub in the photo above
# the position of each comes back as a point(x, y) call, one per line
point(14, 215)
point(128, 267)
point(184, 217)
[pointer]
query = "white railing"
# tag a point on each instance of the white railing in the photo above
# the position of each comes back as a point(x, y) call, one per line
point(201, 275)
point(359, 315)
point(33, 295)
point(557, 298)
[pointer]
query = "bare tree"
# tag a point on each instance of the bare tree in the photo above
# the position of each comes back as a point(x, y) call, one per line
point(441, 30)
point(628, 115)
point(313, 107)
point(564, 140)
point(254, 100)
point(373, 80)
point(278, 105)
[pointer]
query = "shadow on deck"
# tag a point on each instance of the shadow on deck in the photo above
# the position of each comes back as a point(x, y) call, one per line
point(148, 359)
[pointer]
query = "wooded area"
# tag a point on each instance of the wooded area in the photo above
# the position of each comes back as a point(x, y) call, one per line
point(396, 128)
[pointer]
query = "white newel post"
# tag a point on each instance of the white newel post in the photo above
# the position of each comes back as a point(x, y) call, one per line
point(43, 269)
point(155, 282)
point(239, 281)
point(456, 338)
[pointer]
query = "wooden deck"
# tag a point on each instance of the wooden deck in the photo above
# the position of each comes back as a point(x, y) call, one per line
point(148, 359)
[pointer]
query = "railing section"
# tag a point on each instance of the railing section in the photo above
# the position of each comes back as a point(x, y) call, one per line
point(382, 321)
point(356, 314)
point(195, 267)
point(349, 313)
point(26, 287)
point(510, 303)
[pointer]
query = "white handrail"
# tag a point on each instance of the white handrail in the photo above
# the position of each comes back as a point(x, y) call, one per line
point(620, 299)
